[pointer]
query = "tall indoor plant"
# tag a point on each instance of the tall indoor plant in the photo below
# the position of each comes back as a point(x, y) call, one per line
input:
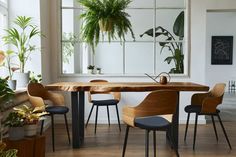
point(176, 48)
point(107, 16)
point(20, 36)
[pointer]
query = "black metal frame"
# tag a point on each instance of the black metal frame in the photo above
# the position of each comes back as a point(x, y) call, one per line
point(213, 122)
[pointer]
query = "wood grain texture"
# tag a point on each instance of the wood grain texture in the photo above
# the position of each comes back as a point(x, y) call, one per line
point(108, 142)
point(125, 86)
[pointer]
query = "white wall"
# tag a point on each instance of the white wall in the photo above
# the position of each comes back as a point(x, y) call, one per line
point(198, 57)
point(220, 24)
point(30, 8)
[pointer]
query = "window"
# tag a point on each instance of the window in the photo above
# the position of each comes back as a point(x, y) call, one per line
point(3, 18)
point(145, 55)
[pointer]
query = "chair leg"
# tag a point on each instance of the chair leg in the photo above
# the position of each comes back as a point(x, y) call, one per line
point(96, 119)
point(125, 142)
point(172, 143)
point(41, 130)
point(224, 131)
point(89, 115)
point(195, 131)
point(67, 128)
point(52, 119)
point(154, 143)
point(118, 118)
point(108, 116)
point(186, 129)
point(147, 143)
point(214, 126)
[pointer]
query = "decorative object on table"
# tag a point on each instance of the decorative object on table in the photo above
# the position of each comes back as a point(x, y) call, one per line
point(90, 69)
point(7, 153)
point(6, 61)
point(31, 116)
point(232, 86)
point(176, 48)
point(15, 122)
point(104, 16)
point(21, 37)
point(222, 50)
point(35, 78)
point(164, 78)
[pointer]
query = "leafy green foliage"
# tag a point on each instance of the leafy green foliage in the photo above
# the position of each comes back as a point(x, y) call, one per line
point(14, 119)
point(35, 78)
point(176, 48)
point(5, 93)
point(69, 41)
point(7, 153)
point(20, 37)
point(108, 12)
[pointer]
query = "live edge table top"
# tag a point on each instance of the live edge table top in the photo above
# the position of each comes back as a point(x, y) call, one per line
point(125, 86)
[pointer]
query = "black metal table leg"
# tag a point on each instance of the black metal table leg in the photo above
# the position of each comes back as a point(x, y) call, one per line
point(77, 106)
point(175, 126)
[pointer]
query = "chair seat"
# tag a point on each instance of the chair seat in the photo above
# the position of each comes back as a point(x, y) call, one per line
point(195, 109)
point(57, 109)
point(105, 102)
point(152, 123)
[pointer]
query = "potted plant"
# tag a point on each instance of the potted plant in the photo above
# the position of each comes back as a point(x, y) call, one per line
point(35, 78)
point(21, 37)
point(6, 62)
point(6, 94)
point(104, 16)
point(176, 48)
point(15, 123)
point(90, 69)
point(7, 153)
point(98, 70)
point(31, 118)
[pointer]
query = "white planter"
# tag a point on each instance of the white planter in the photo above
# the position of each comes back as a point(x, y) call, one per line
point(12, 84)
point(90, 71)
point(31, 130)
point(16, 133)
point(22, 79)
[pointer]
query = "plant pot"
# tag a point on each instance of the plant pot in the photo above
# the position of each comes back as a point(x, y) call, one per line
point(31, 129)
point(22, 79)
point(16, 133)
point(105, 25)
point(12, 84)
point(90, 71)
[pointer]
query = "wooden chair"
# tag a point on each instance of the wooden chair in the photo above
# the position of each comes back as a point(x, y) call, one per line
point(154, 113)
point(38, 94)
point(108, 102)
point(206, 104)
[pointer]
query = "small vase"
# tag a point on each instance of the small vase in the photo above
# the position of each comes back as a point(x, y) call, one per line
point(31, 129)
point(12, 84)
point(90, 71)
point(16, 133)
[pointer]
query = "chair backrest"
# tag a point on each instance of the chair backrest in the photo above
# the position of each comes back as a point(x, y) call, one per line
point(36, 89)
point(116, 95)
point(159, 102)
point(218, 90)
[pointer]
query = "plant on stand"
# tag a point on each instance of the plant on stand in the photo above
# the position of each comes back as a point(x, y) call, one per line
point(21, 37)
point(31, 118)
point(90, 69)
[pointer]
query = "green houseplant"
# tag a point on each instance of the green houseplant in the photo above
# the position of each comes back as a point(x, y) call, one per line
point(176, 48)
point(104, 16)
point(6, 93)
point(21, 37)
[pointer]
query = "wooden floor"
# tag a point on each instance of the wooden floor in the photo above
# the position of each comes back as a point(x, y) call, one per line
point(108, 142)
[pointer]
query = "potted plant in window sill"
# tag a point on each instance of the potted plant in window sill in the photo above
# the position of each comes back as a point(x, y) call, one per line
point(5, 61)
point(90, 69)
point(21, 37)
point(15, 122)
point(31, 118)
point(104, 16)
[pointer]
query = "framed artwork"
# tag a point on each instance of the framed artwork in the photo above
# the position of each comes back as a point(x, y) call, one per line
point(222, 50)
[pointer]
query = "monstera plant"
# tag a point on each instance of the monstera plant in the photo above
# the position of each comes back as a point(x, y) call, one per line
point(176, 48)
point(106, 17)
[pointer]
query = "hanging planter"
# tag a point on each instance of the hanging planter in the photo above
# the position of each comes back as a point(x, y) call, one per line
point(105, 25)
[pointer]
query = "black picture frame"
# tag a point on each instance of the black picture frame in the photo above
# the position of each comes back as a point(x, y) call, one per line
point(222, 50)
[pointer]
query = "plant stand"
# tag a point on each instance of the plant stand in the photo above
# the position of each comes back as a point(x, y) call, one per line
point(28, 147)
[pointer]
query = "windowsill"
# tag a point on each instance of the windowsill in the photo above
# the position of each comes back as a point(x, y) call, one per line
point(20, 91)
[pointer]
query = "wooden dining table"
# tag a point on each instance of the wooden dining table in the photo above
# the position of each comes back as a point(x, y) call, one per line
point(78, 89)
